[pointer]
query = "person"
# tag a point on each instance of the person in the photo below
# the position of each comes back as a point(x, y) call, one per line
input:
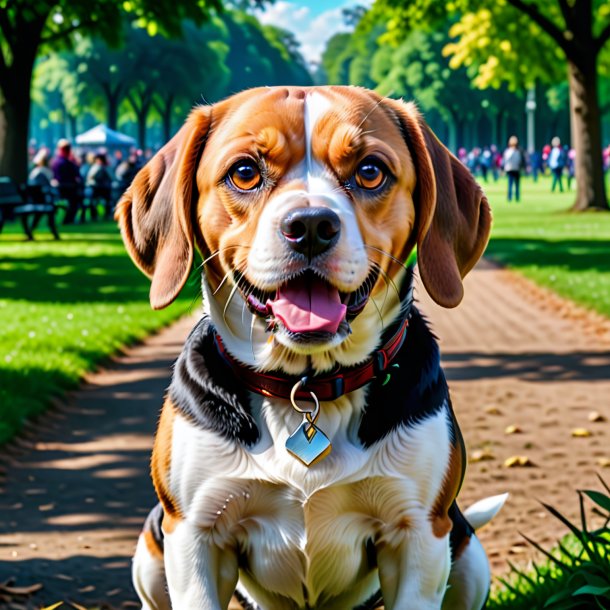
point(127, 171)
point(99, 181)
point(557, 161)
point(513, 161)
point(87, 161)
point(41, 174)
point(485, 162)
point(67, 178)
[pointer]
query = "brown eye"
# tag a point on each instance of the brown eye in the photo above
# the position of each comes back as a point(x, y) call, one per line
point(245, 175)
point(370, 174)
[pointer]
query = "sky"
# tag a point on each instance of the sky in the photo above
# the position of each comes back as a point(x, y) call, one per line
point(313, 22)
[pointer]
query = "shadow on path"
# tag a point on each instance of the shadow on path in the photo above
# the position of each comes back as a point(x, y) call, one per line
point(73, 500)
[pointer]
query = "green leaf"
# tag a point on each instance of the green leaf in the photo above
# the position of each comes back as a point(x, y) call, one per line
point(599, 498)
point(592, 590)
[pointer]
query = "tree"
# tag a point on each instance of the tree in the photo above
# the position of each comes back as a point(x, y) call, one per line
point(28, 25)
point(574, 31)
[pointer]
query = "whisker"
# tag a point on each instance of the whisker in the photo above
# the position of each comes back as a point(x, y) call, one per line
point(252, 323)
point(224, 312)
point(377, 104)
point(387, 278)
point(220, 251)
point(378, 313)
point(387, 284)
point(392, 258)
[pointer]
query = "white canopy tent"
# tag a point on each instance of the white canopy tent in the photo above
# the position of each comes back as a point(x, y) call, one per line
point(101, 135)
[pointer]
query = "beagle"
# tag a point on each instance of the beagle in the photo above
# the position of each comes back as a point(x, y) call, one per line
point(307, 454)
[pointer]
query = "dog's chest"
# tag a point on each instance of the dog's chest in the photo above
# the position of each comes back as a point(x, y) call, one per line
point(306, 534)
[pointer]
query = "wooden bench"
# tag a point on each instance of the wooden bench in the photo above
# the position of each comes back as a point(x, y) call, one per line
point(28, 204)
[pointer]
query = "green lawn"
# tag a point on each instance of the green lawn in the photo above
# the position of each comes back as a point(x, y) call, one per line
point(65, 306)
point(567, 252)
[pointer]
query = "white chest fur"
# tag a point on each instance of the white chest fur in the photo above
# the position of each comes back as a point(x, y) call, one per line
point(302, 533)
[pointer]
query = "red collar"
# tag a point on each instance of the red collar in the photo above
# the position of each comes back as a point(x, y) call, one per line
point(325, 387)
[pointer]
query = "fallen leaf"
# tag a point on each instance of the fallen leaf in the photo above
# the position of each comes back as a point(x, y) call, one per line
point(512, 430)
point(603, 462)
point(493, 410)
point(517, 461)
point(86, 589)
point(581, 432)
point(596, 416)
point(481, 455)
point(57, 605)
point(21, 590)
point(77, 606)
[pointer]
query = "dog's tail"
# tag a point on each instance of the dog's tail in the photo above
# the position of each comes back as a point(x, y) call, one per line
point(483, 511)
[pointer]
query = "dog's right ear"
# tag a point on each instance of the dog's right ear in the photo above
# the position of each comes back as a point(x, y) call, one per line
point(156, 212)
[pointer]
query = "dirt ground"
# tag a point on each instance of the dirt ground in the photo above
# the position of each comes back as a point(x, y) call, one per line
point(526, 370)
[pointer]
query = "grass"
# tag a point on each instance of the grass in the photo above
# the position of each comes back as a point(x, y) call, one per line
point(575, 575)
point(64, 307)
point(564, 251)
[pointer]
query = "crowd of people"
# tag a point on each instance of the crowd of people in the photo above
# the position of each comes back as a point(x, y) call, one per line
point(77, 175)
point(80, 177)
point(553, 159)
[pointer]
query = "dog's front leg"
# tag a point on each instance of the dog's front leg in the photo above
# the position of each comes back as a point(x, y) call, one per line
point(413, 566)
point(200, 575)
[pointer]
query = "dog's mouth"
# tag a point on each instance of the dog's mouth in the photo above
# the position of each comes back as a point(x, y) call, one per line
point(306, 304)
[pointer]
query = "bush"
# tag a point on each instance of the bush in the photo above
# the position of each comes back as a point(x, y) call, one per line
point(576, 574)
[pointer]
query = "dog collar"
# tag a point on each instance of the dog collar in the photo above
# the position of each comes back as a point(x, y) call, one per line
point(326, 387)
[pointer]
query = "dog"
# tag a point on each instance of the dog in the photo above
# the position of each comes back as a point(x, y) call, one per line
point(307, 454)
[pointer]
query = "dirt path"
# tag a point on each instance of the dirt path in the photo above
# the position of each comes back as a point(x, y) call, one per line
point(73, 499)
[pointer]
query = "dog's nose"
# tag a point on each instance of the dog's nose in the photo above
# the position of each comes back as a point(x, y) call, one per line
point(311, 231)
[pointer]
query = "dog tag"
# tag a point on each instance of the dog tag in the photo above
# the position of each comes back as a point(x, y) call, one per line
point(308, 443)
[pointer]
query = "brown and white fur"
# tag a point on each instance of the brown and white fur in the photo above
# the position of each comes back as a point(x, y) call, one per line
point(252, 516)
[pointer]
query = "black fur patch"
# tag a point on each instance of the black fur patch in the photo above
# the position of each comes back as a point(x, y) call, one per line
point(416, 387)
point(461, 528)
point(153, 525)
point(204, 389)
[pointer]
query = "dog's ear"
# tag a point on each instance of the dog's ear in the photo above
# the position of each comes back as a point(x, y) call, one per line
point(453, 215)
point(156, 212)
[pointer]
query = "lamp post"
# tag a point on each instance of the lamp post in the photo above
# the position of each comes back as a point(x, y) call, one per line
point(530, 109)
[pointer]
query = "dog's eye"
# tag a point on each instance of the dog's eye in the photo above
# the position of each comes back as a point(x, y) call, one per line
point(370, 174)
point(245, 175)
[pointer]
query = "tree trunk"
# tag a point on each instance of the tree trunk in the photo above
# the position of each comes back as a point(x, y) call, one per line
point(14, 124)
point(142, 116)
point(113, 110)
point(586, 133)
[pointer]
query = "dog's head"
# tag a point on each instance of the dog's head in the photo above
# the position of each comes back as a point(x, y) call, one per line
point(304, 203)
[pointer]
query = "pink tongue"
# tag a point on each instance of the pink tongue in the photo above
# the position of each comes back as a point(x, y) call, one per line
point(308, 305)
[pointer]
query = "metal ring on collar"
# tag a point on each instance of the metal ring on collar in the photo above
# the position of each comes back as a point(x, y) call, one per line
point(311, 415)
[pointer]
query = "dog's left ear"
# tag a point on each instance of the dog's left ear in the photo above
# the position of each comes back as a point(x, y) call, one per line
point(155, 213)
point(452, 213)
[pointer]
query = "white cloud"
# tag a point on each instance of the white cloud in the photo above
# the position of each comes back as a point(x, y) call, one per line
point(324, 26)
point(284, 15)
point(311, 32)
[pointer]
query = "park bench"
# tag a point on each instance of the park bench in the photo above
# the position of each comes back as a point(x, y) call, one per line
point(28, 204)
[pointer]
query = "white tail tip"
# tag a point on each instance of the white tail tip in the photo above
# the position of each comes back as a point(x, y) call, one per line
point(483, 511)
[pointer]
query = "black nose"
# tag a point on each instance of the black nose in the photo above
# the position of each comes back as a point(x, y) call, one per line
point(311, 231)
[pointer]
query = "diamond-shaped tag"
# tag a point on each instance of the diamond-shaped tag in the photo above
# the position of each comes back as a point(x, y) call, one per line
point(308, 444)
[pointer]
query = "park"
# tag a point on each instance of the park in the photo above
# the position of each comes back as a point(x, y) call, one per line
point(91, 91)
